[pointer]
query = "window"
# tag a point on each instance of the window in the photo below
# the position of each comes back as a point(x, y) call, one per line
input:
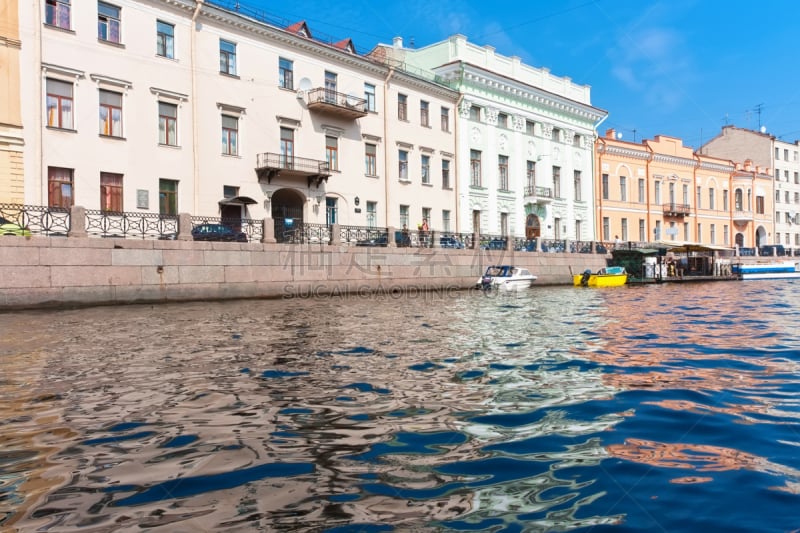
point(556, 134)
point(699, 198)
point(785, 154)
point(672, 194)
point(426, 169)
point(657, 230)
point(59, 187)
point(700, 231)
point(685, 231)
point(604, 185)
point(725, 200)
point(227, 57)
point(504, 224)
point(624, 232)
point(445, 220)
point(502, 172)
point(229, 191)
point(369, 96)
point(331, 211)
point(737, 198)
point(108, 18)
point(530, 178)
point(502, 120)
point(786, 196)
point(167, 124)
point(529, 127)
point(578, 230)
point(111, 192)
point(402, 157)
point(402, 107)
point(285, 73)
point(230, 135)
point(760, 205)
point(557, 182)
point(577, 183)
point(711, 203)
point(59, 104)
point(426, 215)
point(371, 159)
point(332, 152)
point(445, 174)
point(623, 188)
point(641, 190)
point(576, 141)
point(474, 113)
point(445, 119)
point(167, 197)
point(424, 117)
point(606, 229)
point(685, 194)
point(57, 13)
point(642, 231)
point(372, 214)
point(331, 86)
point(165, 39)
point(287, 148)
point(657, 192)
point(777, 153)
point(110, 113)
point(404, 215)
point(796, 178)
point(475, 167)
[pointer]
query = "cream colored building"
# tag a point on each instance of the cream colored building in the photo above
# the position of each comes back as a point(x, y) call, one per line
point(11, 133)
point(182, 106)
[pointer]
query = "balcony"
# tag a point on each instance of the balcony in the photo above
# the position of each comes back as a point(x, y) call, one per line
point(676, 210)
point(269, 165)
point(742, 216)
point(538, 195)
point(335, 104)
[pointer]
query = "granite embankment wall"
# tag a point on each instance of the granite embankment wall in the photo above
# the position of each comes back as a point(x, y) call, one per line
point(43, 272)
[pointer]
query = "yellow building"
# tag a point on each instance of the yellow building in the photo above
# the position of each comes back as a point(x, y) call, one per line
point(660, 190)
point(11, 168)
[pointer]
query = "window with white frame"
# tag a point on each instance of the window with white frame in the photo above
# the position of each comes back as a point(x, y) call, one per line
point(287, 148)
point(578, 186)
point(402, 107)
point(623, 188)
point(445, 174)
point(556, 182)
point(641, 190)
point(285, 73)
point(369, 96)
point(502, 172)
point(530, 178)
point(230, 135)
point(424, 115)
point(402, 157)
point(371, 159)
point(425, 169)
point(331, 86)
point(57, 13)
point(445, 220)
point(165, 39)
point(110, 113)
point(475, 168)
point(404, 215)
point(445, 119)
point(108, 23)
point(167, 124)
point(59, 104)
point(372, 214)
point(227, 57)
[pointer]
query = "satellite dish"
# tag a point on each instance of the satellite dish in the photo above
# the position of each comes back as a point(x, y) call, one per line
point(619, 135)
point(305, 84)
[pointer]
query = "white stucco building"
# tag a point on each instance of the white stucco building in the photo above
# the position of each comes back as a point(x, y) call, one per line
point(170, 106)
point(524, 140)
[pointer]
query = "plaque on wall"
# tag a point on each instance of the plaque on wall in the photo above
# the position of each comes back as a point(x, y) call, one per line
point(142, 199)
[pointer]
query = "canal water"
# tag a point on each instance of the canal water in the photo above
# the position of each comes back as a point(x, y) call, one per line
point(658, 408)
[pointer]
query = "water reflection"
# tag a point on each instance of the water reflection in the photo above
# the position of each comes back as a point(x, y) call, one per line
point(554, 408)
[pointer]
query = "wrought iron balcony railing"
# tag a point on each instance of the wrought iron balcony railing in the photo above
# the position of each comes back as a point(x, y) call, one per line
point(269, 165)
point(336, 103)
point(676, 210)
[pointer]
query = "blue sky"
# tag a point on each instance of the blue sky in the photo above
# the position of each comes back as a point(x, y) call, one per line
point(680, 67)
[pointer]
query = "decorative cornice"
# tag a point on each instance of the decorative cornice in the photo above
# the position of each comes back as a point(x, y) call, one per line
point(171, 95)
point(230, 108)
point(622, 151)
point(100, 79)
point(369, 137)
point(674, 160)
point(65, 72)
point(288, 121)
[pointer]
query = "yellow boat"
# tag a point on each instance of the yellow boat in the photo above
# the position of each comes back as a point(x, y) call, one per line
point(605, 277)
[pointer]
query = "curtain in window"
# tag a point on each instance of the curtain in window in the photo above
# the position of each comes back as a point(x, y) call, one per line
point(111, 192)
point(59, 187)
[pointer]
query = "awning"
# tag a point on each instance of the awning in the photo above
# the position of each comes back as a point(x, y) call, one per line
point(237, 200)
point(678, 247)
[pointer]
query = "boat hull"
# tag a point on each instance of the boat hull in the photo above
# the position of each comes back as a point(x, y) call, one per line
point(600, 280)
point(778, 270)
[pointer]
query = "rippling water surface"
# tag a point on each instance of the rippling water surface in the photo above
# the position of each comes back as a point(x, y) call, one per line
point(663, 408)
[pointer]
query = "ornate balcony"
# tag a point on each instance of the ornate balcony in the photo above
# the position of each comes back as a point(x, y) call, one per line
point(269, 165)
point(538, 195)
point(335, 104)
point(676, 210)
point(742, 216)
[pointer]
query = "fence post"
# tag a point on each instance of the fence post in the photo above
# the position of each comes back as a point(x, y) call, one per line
point(476, 241)
point(268, 230)
point(390, 240)
point(77, 222)
point(184, 227)
point(336, 235)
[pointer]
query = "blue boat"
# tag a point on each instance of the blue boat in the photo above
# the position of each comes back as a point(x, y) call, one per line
point(773, 270)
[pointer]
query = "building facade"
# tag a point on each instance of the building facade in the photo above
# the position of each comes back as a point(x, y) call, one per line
point(765, 151)
point(524, 140)
point(170, 106)
point(11, 132)
point(660, 190)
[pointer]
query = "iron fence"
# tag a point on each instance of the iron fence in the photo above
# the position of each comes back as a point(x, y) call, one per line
point(308, 233)
point(363, 236)
point(131, 225)
point(39, 220)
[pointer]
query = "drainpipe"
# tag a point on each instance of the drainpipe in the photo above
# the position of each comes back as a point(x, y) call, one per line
point(698, 238)
point(599, 220)
point(386, 141)
point(456, 175)
point(195, 133)
point(594, 175)
point(647, 175)
point(39, 149)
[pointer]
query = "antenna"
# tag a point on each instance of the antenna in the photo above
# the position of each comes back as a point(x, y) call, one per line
point(758, 110)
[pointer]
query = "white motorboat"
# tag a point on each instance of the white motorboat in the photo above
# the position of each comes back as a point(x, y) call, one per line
point(505, 277)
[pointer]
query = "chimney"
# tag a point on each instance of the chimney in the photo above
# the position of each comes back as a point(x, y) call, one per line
point(397, 42)
point(611, 134)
